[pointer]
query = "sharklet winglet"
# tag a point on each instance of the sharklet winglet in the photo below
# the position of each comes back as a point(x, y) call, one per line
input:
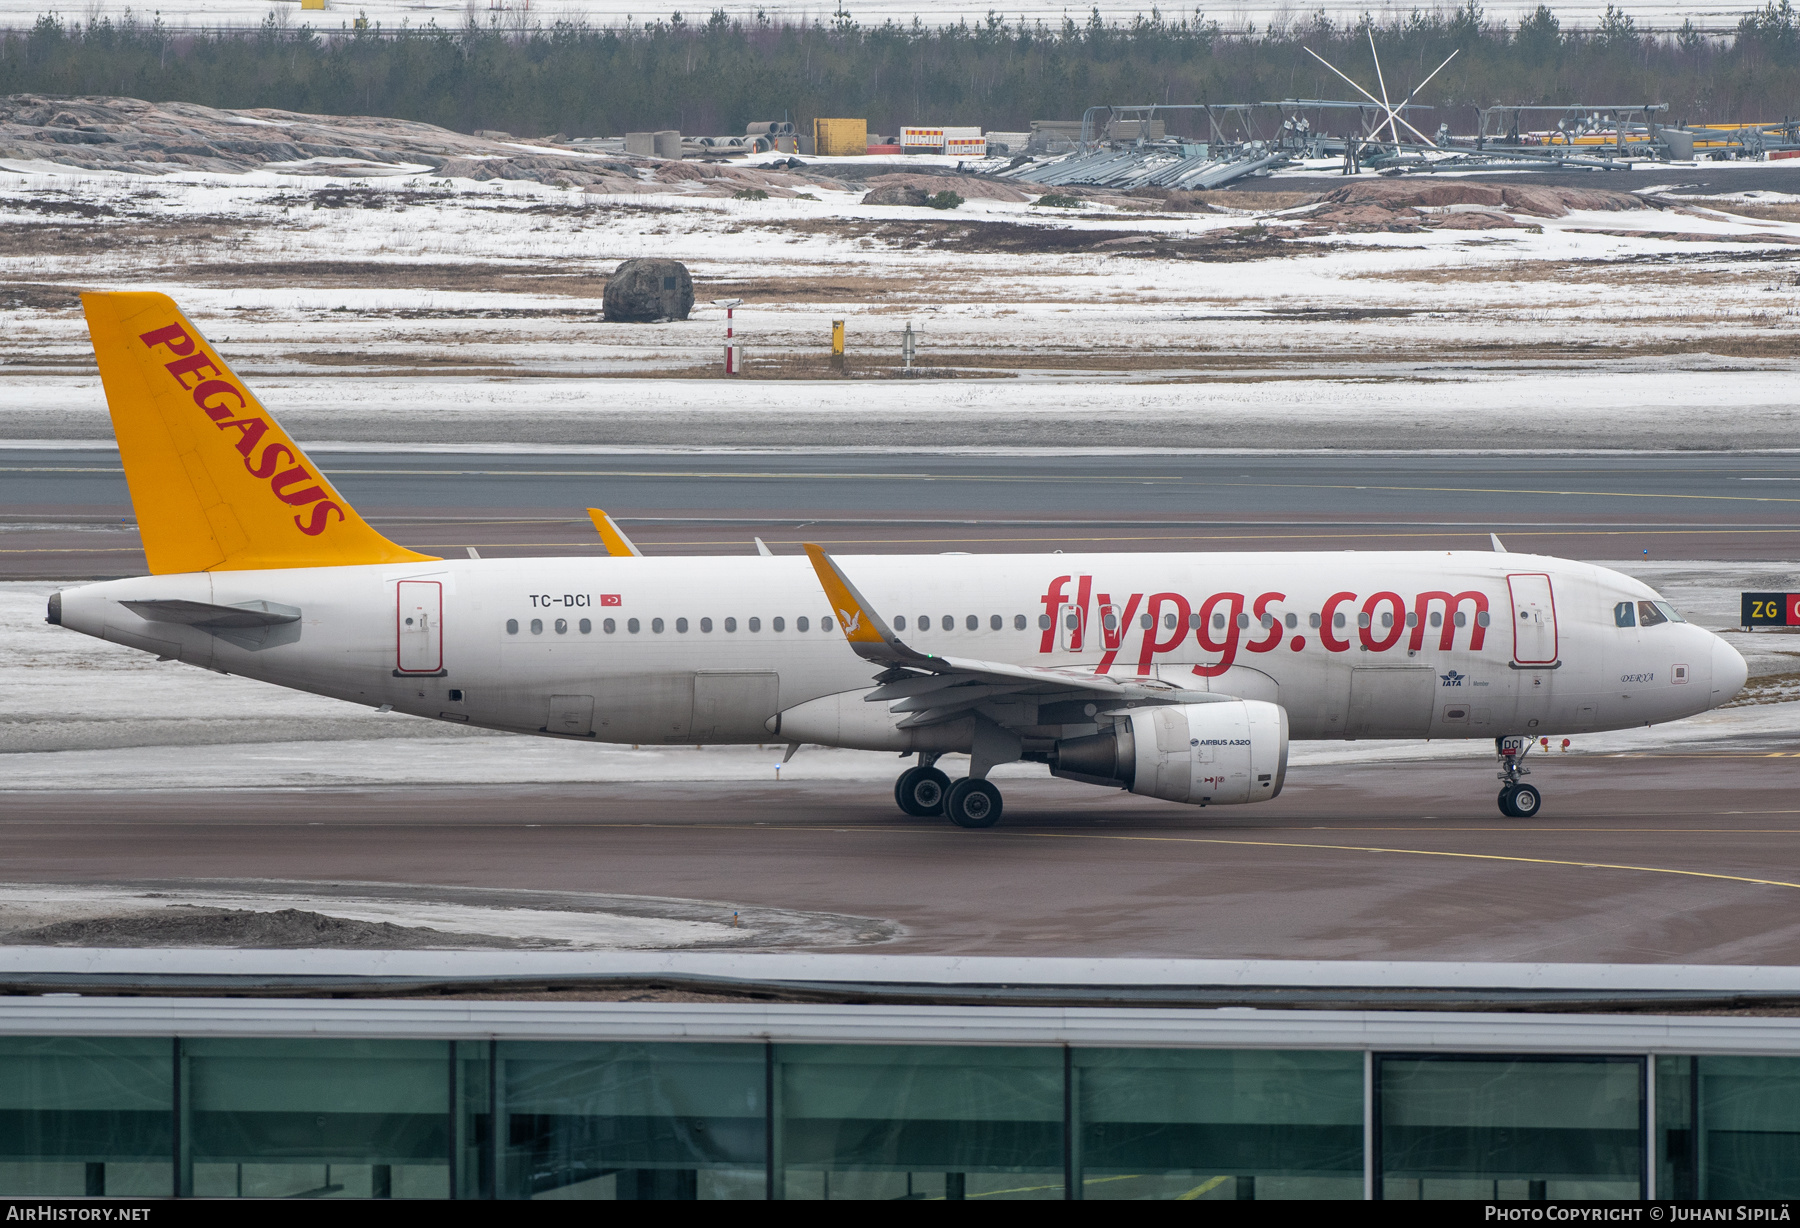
point(867, 632)
point(617, 544)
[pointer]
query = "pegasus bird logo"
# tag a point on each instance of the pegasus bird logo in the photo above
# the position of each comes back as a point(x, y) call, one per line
point(851, 622)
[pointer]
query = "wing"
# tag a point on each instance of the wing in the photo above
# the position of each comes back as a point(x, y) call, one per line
point(928, 688)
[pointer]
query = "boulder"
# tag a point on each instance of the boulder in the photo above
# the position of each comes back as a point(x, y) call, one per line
point(648, 291)
point(898, 194)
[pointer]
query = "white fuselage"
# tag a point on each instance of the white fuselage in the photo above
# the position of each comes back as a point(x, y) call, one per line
point(1501, 643)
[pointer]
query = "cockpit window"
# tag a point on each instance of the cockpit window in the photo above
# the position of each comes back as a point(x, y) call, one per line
point(1670, 612)
point(1650, 613)
point(1625, 614)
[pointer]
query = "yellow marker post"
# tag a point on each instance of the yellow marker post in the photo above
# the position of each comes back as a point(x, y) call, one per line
point(837, 338)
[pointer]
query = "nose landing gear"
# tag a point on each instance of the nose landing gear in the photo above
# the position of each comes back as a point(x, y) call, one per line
point(1517, 801)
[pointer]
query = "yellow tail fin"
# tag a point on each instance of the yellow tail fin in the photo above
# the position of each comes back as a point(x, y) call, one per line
point(217, 484)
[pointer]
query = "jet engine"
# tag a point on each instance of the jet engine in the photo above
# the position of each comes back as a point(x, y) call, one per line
point(1219, 754)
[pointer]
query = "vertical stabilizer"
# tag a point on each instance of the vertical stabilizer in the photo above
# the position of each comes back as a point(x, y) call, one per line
point(216, 483)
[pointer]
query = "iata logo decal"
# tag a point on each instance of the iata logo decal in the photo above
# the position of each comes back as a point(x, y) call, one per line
point(1452, 678)
point(223, 402)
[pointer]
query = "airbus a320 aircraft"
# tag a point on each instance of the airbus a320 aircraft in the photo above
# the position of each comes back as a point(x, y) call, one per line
point(1176, 676)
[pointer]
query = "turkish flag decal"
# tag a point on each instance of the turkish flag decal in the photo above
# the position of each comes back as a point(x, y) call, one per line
point(611, 599)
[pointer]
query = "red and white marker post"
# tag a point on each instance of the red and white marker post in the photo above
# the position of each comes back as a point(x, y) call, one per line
point(734, 355)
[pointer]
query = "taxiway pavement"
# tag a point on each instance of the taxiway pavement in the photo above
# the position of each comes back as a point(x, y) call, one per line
point(67, 513)
point(1674, 857)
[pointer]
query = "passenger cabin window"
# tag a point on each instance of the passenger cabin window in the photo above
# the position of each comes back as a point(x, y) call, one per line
point(656, 625)
point(803, 623)
point(587, 626)
point(537, 626)
point(1625, 614)
point(731, 624)
point(1043, 622)
point(995, 622)
point(1649, 614)
point(899, 622)
point(512, 626)
point(608, 625)
point(949, 622)
point(824, 624)
point(631, 625)
point(778, 624)
point(705, 625)
point(1018, 622)
point(972, 623)
point(681, 626)
point(562, 626)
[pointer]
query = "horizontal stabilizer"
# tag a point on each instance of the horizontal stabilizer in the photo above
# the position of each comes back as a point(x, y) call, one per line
point(209, 617)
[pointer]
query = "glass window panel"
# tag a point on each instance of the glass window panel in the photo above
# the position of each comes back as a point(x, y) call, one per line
point(86, 1116)
point(473, 1144)
point(892, 1121)
point(1674, 1125)
point(1749, 1127)
point(319, 1118)
point(633, 1121)
point(1219, 1124)
point(1466, 1127)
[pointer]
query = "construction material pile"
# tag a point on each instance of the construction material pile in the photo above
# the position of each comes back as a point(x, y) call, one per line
point(1154, 166)
point(1399, 207)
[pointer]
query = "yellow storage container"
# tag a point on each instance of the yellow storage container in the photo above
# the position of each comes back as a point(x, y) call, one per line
point(312, 4)
point(837, 138)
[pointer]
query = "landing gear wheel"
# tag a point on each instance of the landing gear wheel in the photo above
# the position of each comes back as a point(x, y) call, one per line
point(1525, 801)
point(920, 791)
point(1506, 799)
point(973, 803)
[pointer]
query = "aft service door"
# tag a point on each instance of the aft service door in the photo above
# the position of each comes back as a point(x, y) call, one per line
point(418, 627)
point(1533, 619)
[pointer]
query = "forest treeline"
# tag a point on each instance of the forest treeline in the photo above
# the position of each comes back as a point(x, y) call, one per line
point(715, 75)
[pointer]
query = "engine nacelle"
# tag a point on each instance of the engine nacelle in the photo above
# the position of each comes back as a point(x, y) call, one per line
point(1221, 754)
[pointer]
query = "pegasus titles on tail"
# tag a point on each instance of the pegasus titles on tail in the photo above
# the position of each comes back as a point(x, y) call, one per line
point(216, 483)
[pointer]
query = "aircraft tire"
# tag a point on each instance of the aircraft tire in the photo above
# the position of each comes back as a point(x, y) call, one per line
point(1506, 800)
point(920, 792)
point(973, 803)
point(1525, 802)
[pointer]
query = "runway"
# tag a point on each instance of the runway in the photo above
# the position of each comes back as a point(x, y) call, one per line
point(67, 513)
point(1671, 858)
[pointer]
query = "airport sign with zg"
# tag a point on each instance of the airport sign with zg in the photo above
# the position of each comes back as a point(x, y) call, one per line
point(1770, 610)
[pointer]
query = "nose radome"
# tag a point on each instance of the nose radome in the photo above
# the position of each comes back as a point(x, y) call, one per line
point(1729, 671)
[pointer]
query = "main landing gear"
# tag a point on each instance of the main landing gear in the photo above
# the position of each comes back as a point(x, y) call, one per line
point(924, 791)
point(1517, 801)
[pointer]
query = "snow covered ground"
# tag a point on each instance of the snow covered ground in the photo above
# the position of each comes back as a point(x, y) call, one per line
point(412, 309)
point(1649, 14)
